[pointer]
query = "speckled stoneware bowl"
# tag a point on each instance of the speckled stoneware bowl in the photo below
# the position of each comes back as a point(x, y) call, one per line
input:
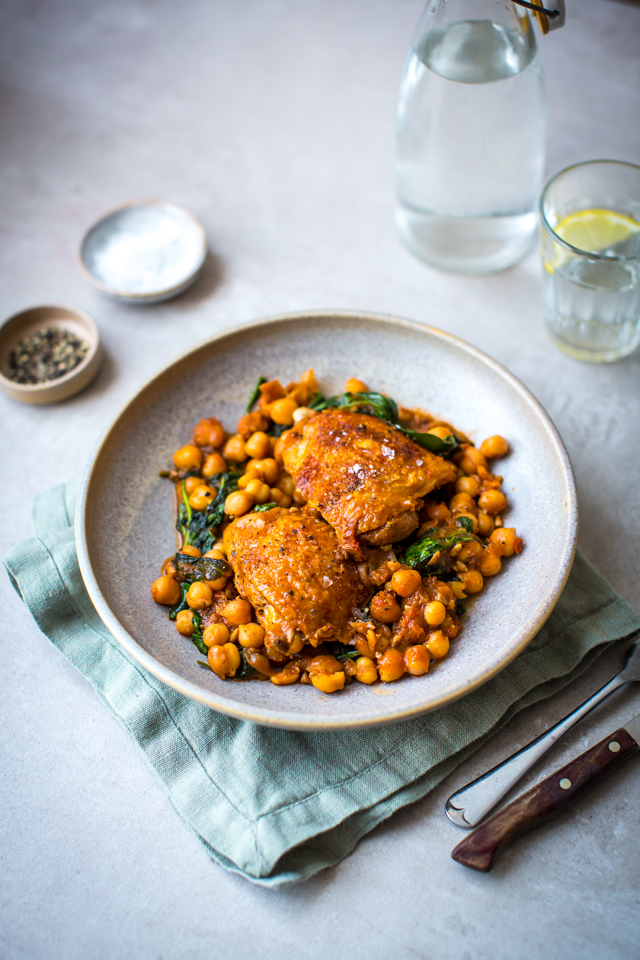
point(144, 252)
point(124, 526)
point(33, 320)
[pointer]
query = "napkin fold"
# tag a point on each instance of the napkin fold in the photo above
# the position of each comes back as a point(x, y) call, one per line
point(274, 805)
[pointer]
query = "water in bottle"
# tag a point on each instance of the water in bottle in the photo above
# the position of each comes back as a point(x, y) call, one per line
point(471, 127)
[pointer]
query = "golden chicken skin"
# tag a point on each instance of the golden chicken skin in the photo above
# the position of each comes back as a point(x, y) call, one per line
point(290, 567)
point(366, 478)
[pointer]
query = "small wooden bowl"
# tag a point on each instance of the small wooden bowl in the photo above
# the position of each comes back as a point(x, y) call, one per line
point(28, 322)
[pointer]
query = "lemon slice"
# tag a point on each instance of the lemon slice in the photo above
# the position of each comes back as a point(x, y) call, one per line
point(596, 231)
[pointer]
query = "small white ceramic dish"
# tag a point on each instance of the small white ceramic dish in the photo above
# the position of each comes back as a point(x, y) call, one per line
point(125, 513)
point(144, 252)
point(28, 322)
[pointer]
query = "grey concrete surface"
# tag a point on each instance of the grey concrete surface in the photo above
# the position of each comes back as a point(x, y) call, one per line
point(273, 120)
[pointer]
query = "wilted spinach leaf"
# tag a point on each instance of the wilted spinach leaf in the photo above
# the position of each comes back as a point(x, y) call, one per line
point(343, 652)
point(465, 522)
point(255, 393)
point(261, 507)
point(203, 524)
point(422, 551)
point(181, 604)
point(200, 568)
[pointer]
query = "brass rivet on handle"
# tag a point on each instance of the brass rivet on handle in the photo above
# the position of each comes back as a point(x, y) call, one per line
point(565, 783)
point(614, 746)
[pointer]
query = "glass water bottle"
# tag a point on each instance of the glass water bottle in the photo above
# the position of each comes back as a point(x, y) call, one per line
point(471, 132)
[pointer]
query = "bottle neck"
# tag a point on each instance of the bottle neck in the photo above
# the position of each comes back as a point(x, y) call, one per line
point(439, 13)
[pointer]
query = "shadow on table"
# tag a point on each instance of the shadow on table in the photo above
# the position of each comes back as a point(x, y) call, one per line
point(207, 283)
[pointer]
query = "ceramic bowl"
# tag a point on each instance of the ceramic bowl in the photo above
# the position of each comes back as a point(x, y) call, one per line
point(125, 518)
point(27, 322)
point(144, 252)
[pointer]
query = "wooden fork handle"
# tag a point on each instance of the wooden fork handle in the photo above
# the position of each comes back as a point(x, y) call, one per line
point(479, 849)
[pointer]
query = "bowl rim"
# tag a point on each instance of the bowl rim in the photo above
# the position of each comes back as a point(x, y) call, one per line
point(46, 385)
point(132, 296)
point(300, 720)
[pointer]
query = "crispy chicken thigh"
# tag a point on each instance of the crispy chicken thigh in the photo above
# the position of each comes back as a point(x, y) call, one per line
point(365, 477)
point(289, 566)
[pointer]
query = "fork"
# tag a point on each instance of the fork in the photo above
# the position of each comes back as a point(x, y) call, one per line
point(467, 807)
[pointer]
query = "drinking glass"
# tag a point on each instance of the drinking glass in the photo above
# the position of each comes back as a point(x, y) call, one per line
point(590, 216)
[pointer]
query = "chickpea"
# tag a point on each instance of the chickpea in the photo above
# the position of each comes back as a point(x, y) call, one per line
point(202, 497)
point(366, 671)
point(301, 413)
point(190, 484)
point(385, 608)
point(462, 502)
point(285, 483)
point(199, 595)
point(288, 674)
point(416, 660)
point(215, 554)
point(434, 613)
point(238, 503)
point(270, 471)
point(258, 445)
point(495, 446)
point(469, 550)
point(442, 433)
point(279, 497)
point(220, 547)
point(438, 511)
point(507, 539)
point(451, 627)
point(191, 551)
point(237, 611)
point(458, 591)
point(324, 663)
point(471, 460)
point(328, 682)
point(445, 593)
point(234, 450)
point(254, 422)
point(224, 660)
point(485, 523)
point(355, 386)
point(258, 490)
point(282, 411)
point(326, 673)
point(470, 485)
point(213, 464)
point(169, 569)
point(299, 499)
point(165, 590)
point(437, 644)
point(246, 478)
point(184, 623)
point(188, 457)
point(250, 635)
point(281, 444)
point(209, 433)
point(489, 563)
point(405, 582)
point(218, 583)
point(216, 635)
point(492, 501)
point(472, 581)
point(391, 665)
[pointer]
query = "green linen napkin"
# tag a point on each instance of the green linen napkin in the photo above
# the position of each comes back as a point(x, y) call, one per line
point(277, 806)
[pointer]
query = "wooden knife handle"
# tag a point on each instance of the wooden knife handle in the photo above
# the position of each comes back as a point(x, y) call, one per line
point(480, 848)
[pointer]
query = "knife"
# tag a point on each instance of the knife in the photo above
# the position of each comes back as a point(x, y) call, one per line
point(479, 849)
